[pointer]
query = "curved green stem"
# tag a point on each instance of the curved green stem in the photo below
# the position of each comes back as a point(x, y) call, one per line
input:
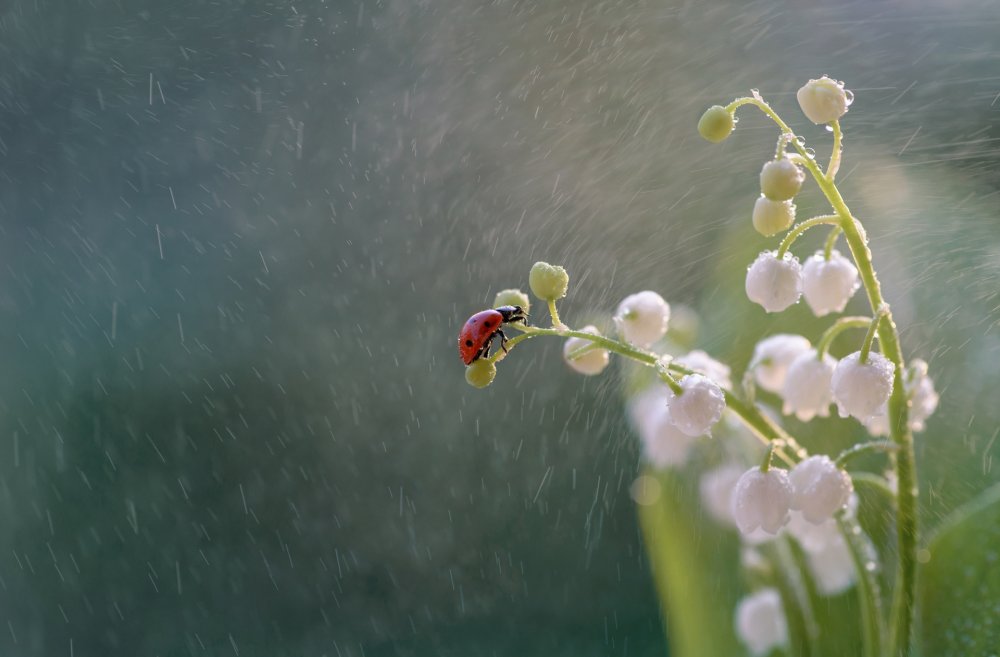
point(866, 346)
point(556, 322)
point(865, 448)
point(803, 227)
point(763, 427)
point(904, 608)
point(834, 166)
point(831, 240)
point(836, 329)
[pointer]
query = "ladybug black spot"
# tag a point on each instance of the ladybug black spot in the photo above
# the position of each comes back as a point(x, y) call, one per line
point(487, 323)
point(468, 343)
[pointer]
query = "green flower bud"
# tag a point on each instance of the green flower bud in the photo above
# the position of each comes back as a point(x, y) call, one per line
point(512, 297)
point(481, 373)
point(781, 180)
point(548, 282)
point(772, 217)
point(716, 123)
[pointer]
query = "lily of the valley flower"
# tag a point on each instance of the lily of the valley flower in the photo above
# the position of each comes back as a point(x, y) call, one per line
point(698, 407)
point(807, 390)
point(762, 499)
point(663, 444)
point(589, 362)
point(716, 488)
point(772, 356)
point(824, 100)
point(862, 389)
point(760, 621)
point(781, 180)
point(642, 318)
point(774, 284)
point(772, 217)
point(819, 488)
point(828, 285)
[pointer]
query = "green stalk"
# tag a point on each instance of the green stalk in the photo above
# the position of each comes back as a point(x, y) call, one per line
point(831, 240)
point(836, 329)
point(834, 166)
point(763, 427)
point(904, 608)
point(556, 322)
point(864, 448)
point(803, 227)
point(869, 595)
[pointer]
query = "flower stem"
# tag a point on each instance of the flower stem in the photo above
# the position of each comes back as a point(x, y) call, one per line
point(556, 322)
point(904, 608)
point(834, 166)
point(759, 424)
point(765, 465)
point(836, 329)
point(865, 448)
point(866, 346)
point(831, 240)
point(869, 595)
point(803, 227)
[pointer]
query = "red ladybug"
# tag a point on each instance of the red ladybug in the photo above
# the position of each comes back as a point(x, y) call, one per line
point(476, 337)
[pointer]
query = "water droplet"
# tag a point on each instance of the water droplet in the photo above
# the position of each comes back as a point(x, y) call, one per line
point(850, 96)
point(871, 566)
point(811, 154)
point(829, 128)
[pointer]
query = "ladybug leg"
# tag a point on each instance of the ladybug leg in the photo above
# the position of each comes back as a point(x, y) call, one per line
point(503, 339)
point(485, 353)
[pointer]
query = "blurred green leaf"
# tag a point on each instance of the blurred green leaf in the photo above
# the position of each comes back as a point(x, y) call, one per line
point(694, 567)
point(960, 585)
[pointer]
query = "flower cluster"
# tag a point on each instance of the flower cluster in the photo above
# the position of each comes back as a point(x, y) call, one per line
point(787, 494)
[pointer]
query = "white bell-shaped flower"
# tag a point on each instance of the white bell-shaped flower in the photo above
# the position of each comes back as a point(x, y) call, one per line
point(762, 499)
point(819, 488)
point(862, 389)
point(760, 621)
point(774, 284)
point(807, 392)
point(702, 363)
point(828, 285)
point(827, 553)
point(663, 444)
point(772, 356)
point(832, 566)
point(716, 489)
point(772, 217)
point(698, 407)
point(923, 400)
point(920, 389)
point(590, 362)
point(824, 100)
point(642, 318)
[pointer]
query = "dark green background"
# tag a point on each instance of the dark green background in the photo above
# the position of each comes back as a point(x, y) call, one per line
point(237, 240)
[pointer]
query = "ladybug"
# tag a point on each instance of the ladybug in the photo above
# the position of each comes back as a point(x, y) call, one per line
point(476, 337)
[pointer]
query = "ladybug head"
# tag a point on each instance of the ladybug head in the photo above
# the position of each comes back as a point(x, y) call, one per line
point(512, 314)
